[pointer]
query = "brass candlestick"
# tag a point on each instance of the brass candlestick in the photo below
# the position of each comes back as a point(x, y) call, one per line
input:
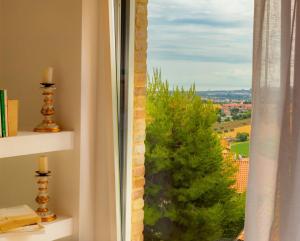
point(43, 197)
point(48, 124)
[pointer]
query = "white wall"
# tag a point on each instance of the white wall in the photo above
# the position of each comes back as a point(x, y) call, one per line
point(73, 37)
point(36, 34)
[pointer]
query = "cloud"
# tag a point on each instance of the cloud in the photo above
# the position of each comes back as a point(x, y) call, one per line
point(198, 21)
point(205, 75)
point(173, 55)
point(211, 33)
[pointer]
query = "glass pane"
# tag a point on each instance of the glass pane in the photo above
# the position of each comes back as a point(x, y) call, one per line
point(198, 119)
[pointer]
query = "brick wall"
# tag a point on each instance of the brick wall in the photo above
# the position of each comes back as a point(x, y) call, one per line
point(139, 125)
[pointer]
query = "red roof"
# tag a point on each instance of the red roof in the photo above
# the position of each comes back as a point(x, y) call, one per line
point(242, 175)
point(241, 237)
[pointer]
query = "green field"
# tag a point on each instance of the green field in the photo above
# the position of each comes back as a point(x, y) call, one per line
point(241, 148)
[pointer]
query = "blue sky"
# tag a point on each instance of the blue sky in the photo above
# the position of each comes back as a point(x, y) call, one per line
point(206, 42)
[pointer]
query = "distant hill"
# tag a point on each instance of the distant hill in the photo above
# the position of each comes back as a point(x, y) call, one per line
point(226, 95)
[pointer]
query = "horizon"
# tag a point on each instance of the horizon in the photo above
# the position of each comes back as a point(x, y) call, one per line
point(206, 42)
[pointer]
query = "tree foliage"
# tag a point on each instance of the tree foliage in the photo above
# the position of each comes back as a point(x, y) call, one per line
point(188, 193)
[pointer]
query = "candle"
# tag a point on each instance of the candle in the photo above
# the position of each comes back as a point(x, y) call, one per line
point(43, 164)
point(48, 75)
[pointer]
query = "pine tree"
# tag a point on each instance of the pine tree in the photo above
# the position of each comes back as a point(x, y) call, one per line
point(189, 194)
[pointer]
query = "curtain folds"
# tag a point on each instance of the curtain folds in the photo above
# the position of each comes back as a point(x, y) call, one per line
point(273, 201)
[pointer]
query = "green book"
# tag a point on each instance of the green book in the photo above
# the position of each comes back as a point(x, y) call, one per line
point(3, 115)
point(6, 112)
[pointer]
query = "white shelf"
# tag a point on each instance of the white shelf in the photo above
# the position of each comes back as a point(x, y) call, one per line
point(60, 228)
point(27, 143)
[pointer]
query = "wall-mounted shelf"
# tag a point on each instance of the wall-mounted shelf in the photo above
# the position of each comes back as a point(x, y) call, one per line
point(27, 143)
point(61, 228)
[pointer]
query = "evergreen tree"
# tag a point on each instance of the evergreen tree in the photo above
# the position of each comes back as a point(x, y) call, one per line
point(189, 194)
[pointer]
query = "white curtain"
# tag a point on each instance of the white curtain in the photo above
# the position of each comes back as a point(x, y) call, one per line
point(273, 202)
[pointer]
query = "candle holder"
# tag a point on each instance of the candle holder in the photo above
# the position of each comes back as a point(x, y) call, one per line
point(43, 197)
point(48, 124)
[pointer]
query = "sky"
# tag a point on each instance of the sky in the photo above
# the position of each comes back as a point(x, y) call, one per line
point(206, 42)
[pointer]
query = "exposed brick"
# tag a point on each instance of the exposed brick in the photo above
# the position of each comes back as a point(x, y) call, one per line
point(141, 35)
point(138, 237)
point(140, 55)
point(140, 91)
point(138, 204)
point(138, 193)
point(140, 80)
point(138, 159)
point(138, 216)
point(140, 46)
point(140, 67)
point(138, 171)
point(139, 114)
point(141, 11)
point(137, 229)
point(138, 182)
point(139, 138)
point(139, 149)
point(142, 1)
point(139, 123)
point(139, 104)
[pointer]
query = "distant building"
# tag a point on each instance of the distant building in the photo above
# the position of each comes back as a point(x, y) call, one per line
point(226, 108)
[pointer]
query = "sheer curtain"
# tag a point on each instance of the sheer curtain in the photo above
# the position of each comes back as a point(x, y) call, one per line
point(273, 202)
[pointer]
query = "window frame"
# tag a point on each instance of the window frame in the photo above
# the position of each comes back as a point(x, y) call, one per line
point(125, 36)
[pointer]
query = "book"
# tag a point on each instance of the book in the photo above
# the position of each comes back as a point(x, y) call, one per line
point(12, 117)
point(32, 229)
point(3, 121)
point(17, 217)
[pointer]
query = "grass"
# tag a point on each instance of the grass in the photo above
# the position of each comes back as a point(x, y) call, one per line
point(234, 132)
point(231, 124)
point(240, 148)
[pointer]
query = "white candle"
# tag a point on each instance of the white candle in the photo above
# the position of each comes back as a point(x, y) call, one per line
point(48, 75)
point(43, 164)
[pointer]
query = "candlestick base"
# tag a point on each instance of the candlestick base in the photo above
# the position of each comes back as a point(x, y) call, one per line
point(46, 215)
point(47, 127)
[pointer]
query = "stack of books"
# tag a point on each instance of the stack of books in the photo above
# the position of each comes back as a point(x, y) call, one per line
point(9, 115)
point(19, 219)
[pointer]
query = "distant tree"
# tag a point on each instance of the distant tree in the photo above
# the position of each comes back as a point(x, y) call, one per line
point(219, 115)
point(241, 137)
point(236, 117)
point(247, 114)
point(234, 111)
point(188, 193)
point(242, 116)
